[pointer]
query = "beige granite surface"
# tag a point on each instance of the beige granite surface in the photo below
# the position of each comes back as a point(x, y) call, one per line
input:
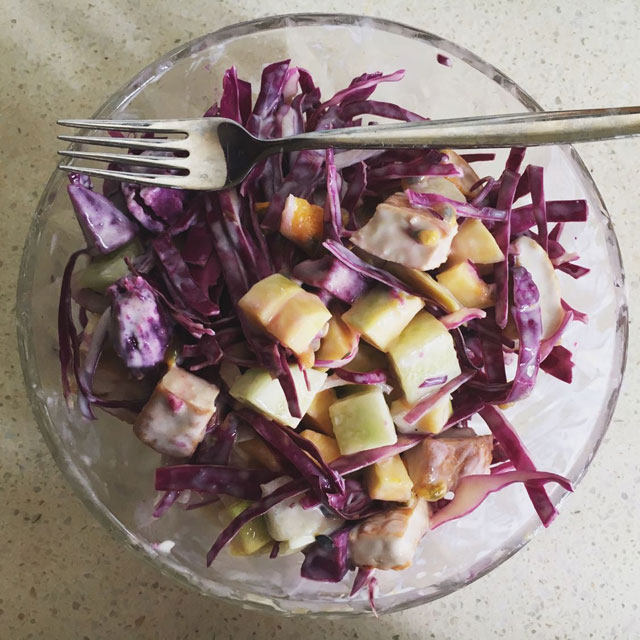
point(62, 576)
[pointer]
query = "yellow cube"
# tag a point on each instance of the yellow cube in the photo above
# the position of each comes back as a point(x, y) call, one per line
point(260, 454)
point(432, 421)
point(388, 480)
point(474, 242)
point(381, 314)
point(267, 297)
point(299, 321)
point(326, 446)
point(337, 342)
point(467, 286)
point(317, 416)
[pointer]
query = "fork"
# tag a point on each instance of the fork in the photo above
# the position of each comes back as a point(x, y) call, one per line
point(216, 153)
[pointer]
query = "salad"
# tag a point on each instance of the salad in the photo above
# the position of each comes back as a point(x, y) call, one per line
point(306, 351)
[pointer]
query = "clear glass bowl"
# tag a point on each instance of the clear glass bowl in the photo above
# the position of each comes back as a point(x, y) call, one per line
point(562, 425)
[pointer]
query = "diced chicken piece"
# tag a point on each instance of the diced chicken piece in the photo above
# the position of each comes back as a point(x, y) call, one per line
point(417, 238)
point(289, 521)
point(175, 418)
point(436, 464)
point(388, 540)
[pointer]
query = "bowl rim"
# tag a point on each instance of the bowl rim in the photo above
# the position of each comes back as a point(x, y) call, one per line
point(126, 93)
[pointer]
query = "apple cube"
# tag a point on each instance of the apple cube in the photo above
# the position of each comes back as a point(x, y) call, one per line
point(362, 421)
point(266, 297)
point(388, 480)
point(474, 242)
point(469, 176)
point(381, 315)
point(252, 537)
point(423, 350)
point(467, 286)
point(432, 421)
point(256, 388)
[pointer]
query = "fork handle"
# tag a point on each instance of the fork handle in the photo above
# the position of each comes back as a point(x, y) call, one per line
point(509, 130)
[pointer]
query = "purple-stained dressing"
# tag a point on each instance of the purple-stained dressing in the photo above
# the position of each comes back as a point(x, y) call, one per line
point(139, 328)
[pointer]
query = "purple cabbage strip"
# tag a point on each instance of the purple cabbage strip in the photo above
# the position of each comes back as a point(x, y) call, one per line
point(289, 443)
point(333, 276)
point(327, 559)
point(432, 382)
point(216, 479)
point(67, 334)
point(355, 461)
point(377, 376)
point(207, 351)
point(574, 270)
point(165, 503)
point(361, 580)
point(526, 314)
point(377, 108)
point(333, 215)
point(463, 209)
point(508, 439)
point(260, 122)
point(355, 188)
point(502, 233)
point(472, 491)
point(166, 204)
point(104, 227)
point(289, 490)
point(425, 165)
point(416, 412)
point(522, 218)
point(235, 102)
point(538, 203)
point(351, 260)
point(478, 157)
point(514, 161)
point(178, 274)
point(138, 210)
point(559, 364)
point(197, 245)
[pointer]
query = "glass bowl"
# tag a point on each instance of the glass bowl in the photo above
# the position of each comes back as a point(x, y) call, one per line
point(562, 425)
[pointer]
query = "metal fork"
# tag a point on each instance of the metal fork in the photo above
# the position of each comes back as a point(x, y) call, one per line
point(217, 153)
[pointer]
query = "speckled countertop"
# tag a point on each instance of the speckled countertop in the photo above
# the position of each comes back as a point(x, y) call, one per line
point(62, 576)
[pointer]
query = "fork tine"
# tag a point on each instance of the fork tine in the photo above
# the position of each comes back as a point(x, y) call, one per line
point(128, 143)
point(164, 126)
point(127, 159)
point(165, 180)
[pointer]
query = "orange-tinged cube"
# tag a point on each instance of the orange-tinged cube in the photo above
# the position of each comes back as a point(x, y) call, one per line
point(317, 416)
point(327, 446)
point(299, 321)
point(337, 342)
point(302, 222)
point(267, 297)
point(474, 242)
point(467, 286)
point(388, 480)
